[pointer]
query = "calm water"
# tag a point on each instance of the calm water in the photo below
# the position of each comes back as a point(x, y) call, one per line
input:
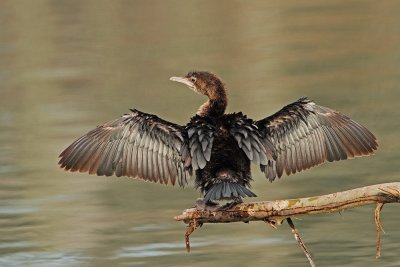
point(67, 66)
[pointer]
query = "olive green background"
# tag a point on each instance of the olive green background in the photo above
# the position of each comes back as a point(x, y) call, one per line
point(67, 66)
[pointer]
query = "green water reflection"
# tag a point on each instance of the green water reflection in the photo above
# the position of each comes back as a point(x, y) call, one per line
point(67, 66)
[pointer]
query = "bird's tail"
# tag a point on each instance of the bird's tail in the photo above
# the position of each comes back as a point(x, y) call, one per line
point(227, 190)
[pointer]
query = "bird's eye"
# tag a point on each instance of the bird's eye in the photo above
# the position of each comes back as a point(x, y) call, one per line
point(193, 79)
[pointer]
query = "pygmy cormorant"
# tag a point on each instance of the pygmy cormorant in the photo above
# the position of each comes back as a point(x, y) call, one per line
point(218, 147)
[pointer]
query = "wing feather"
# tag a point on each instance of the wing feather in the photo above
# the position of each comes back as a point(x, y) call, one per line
point(136, 145)
point(304, 135)
point(201, 136)
point(248, 138)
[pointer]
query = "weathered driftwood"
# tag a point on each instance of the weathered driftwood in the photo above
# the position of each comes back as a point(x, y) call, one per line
point(274, 212)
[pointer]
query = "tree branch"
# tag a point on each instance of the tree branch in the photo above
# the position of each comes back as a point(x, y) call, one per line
point(301, 243)
point(274, 212)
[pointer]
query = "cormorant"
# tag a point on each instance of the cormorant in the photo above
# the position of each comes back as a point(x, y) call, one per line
point(218, 147)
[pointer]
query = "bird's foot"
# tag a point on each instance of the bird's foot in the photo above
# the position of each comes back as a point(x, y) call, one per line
point(200, 203)
point(230, 205)
point(211, 203)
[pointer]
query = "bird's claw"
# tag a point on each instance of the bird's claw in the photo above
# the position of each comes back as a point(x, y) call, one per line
point(229, 205)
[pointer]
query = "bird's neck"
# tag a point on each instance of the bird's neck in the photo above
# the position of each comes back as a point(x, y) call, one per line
point(215, 105)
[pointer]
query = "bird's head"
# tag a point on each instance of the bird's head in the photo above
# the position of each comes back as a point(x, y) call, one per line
point(203, 82)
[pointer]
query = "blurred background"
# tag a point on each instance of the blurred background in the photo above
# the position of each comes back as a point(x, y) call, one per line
point(67, 66)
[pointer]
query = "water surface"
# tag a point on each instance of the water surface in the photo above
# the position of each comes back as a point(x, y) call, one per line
point(67, 66)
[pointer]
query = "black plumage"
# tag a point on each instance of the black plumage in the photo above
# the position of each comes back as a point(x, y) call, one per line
point(218, 147)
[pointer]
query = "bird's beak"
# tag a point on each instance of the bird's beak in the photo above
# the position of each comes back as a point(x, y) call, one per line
point(184, 81)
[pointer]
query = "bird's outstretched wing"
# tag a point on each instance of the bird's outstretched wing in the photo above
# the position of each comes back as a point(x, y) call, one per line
point(305, 135)
point(135, 145)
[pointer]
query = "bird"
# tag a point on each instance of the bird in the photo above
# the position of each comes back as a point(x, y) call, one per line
point(218, 147)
